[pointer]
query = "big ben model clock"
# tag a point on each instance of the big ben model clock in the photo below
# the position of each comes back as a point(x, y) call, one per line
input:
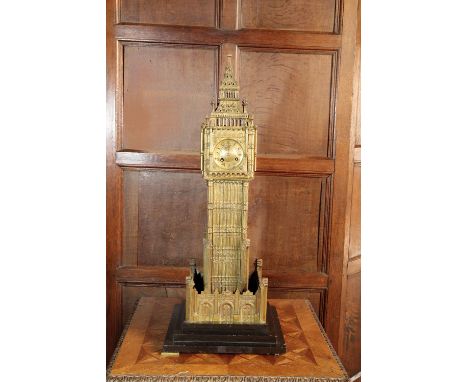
point(226, 309)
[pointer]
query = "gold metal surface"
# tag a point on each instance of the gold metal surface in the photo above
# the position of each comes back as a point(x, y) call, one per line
point(228, 156)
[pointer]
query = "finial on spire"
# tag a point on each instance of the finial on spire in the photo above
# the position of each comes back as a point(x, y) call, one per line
point(228, 71)
point(244, 105)
point(193, 266)
point(258, 267)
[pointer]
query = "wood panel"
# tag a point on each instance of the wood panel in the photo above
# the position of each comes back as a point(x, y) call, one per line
point(357, 81)
point(351, 355)
point(243, 37)
point(113, 190)
point(167, 91)
point(290, 95)
point(284, 213)
point(342, 177)
point(279, 207)
point(358, 114)
point(173, 12)
point(171, 217)
point(355, 226)
point(351, 339)
point(163, 65)
point(131, 185)
point(300, 15)
point(351, 326)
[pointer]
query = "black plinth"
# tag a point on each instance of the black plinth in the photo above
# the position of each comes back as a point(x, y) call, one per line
point(183, 337)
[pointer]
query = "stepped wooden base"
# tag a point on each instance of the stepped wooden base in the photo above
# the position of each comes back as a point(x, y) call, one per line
point(184, 337)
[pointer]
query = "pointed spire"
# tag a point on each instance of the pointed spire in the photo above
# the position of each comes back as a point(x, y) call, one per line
point(229, 88)
point(229, 102)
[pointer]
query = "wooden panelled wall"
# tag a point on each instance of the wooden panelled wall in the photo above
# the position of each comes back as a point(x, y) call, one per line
point(295, 64)
point(350, 336)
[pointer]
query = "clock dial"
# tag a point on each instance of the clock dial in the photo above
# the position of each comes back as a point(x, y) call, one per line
point(228, 154)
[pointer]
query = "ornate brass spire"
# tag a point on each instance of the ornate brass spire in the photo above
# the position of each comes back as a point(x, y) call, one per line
point(228, 93)
point(228, 154)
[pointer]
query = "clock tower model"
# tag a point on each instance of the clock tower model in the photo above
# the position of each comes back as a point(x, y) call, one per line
point(224, 292)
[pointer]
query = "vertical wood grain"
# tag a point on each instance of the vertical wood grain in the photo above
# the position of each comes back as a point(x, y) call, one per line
point(350, 336)
point(131, 182)
point(355, 223)
point(342, 178)
point(230, 14)
point(351, 353)
point(113, 191)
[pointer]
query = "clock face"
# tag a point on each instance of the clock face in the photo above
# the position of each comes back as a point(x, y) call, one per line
point(228, 154)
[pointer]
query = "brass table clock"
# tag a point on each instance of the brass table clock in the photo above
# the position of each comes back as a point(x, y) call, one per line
point(226, 309)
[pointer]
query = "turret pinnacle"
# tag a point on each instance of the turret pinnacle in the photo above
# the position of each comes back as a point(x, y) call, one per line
point(229, 91)
point(229, 88)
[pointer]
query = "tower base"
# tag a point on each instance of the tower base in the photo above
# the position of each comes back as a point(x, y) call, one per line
point(185, 337)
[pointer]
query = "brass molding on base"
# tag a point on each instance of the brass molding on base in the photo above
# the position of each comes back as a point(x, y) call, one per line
point(221, 292)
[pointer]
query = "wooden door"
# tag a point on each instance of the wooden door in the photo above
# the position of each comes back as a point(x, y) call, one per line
point(294, 61)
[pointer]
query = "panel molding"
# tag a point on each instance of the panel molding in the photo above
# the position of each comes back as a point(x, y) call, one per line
point(336, 29)
point(324, 224)
point(113, 191)
point(342, 187)
point(216, 20)
point(175, 276)
point(293, 164)
point(223, 7)
point(338, 16)
point(229, 17)
point(212, 36)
